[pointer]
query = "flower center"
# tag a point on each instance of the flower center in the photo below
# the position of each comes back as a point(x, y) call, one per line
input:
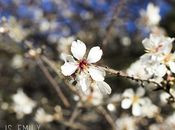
point(135, 99)
point(156, 49)
point(168, 58)
point(83, 65)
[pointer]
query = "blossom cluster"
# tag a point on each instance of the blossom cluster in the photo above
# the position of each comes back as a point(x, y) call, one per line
point(81, 71)
point(158, 58)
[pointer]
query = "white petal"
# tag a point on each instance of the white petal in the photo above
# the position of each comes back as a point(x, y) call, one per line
point(173, 56)
point(161, 70)
point(78, 49)
point(94, 55)
point(103, 87)
point(96, 73)
point(136, 109)
point(67, 58)
point(147, 44)
point(84, 81)
point(167, 49)
point(172, 66)
point(156, 39)
point(68, 68)
point(128, 93)
point(140, 92)
point(126, 103)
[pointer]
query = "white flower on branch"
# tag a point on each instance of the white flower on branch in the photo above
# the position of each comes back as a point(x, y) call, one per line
point(82, 71)
point(135, 100)
point(158, 55)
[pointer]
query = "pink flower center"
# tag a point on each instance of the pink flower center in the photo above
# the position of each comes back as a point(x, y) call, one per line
point(157, 49)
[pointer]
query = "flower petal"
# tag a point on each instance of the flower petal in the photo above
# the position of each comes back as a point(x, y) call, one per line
point(128, 93)
point(94, 54)
point(161, 70)
point(78, 49)
point(136, 109)
point(103, 87)
point(67, 58)
point(96, 73)
point(126, 103)
point(172, 66)
point(140, 92)
point(68, 68)
point(83, 80)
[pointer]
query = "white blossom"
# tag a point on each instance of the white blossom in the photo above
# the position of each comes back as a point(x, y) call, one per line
point(93, 96)
point(136, 69)
point(134, 99)
point(158, 55)
point(151, 16)
point(22, 104)
point(42, 117)
point(126, 123)
point(82, 71)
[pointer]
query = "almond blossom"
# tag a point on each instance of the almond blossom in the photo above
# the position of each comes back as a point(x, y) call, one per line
point(155, 47)
point(149, 18)
point(135, 100)
point(82, 71)
point(158, 55)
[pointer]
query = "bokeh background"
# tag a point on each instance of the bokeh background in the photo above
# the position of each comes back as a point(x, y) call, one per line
point(26, 95)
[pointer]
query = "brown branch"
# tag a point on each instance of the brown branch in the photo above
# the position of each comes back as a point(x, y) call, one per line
point(107, 116)
point(160, 86)
point(53, 82)
point(112, 23)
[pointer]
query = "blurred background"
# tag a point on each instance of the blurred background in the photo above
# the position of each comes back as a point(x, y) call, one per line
point(26, 95)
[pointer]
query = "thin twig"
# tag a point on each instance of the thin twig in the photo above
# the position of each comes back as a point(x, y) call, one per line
point(53, 82)
point(112, 23)
point(137, 79)
point(74, 114)
point(107, 116)
point(122, 74)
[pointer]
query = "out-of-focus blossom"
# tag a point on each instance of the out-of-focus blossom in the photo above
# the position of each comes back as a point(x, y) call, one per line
point(135, 100)
point(17, 61)
point(42, 117)
point(150, 17)
point(82, 71)
point(138, 70)
point(126, 41)
point(17, 29)
point(3, 30)
point(158, 30)
point(22, 104)
point(94, 97)
point(33, 53)
point(170, 121)
point(126, 123)
point(163, 96)
point(149, 109)
point(64, 45)
point(111, 107)
point(159, 126)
